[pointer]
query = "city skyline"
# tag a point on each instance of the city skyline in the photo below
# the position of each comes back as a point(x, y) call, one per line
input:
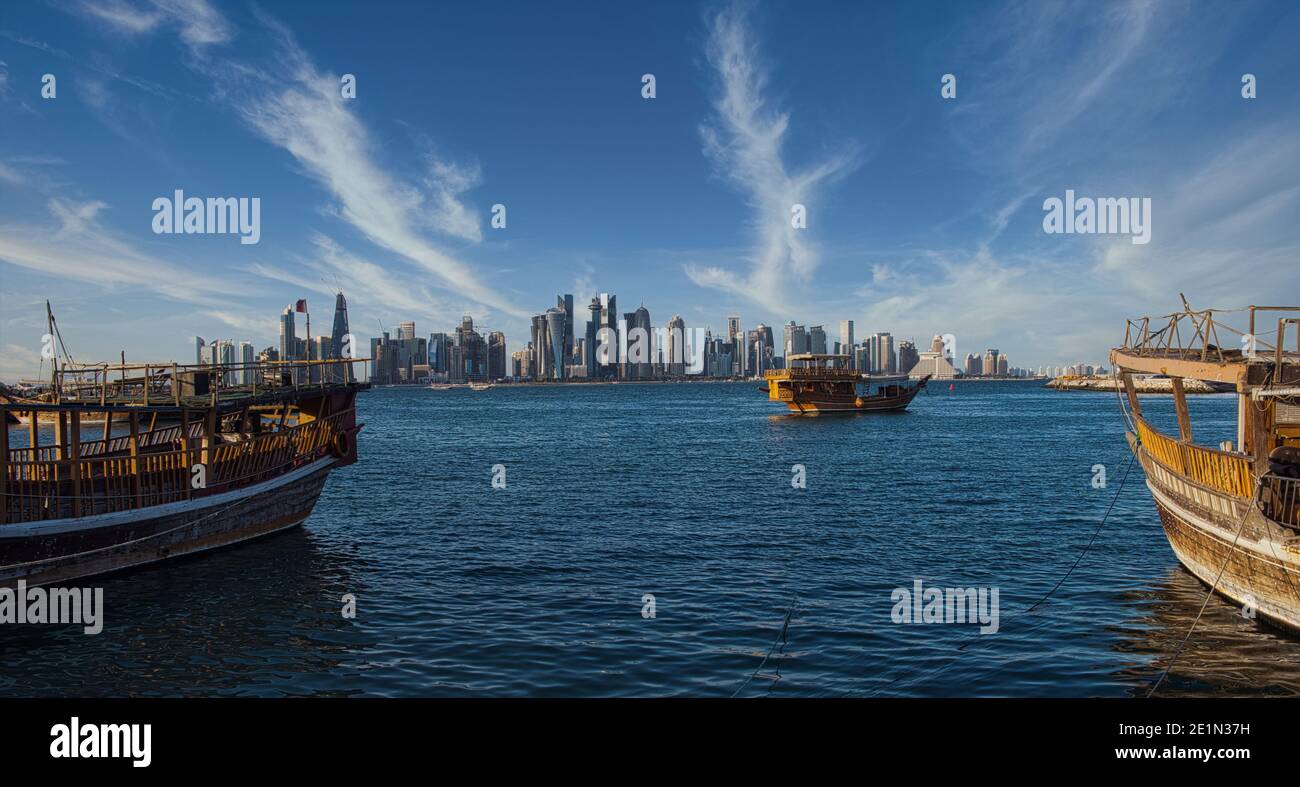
point(918, 207)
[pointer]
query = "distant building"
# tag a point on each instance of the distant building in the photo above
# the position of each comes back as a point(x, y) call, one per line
point(880, 354)
point(846, 342)
point(341, 342)
point(247, 374)
point(496, 349)
point(974, 365)
point(932, 362)
point(676, 353)
point(908, 357)
point(817, 340)
point(990, 362)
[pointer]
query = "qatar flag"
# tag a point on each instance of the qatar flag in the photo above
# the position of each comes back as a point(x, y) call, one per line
point(301, 306)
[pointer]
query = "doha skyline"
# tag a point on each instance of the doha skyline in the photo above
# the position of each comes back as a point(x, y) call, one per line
point(923, 213)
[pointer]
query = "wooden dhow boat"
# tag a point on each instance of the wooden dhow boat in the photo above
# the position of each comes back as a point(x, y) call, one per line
point(1231, 513)
point(240, 461)
point(812, 384)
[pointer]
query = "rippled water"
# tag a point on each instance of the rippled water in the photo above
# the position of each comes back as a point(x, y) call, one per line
point(684, 491)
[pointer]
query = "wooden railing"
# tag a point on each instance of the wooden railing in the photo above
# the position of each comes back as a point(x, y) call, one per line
point(158, 470)
point(1219, 470)
point(822, 373)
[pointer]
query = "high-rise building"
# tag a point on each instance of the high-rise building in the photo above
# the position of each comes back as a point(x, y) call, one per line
point(607, 341)
point(796, 339)
point(990, 365)
point(288, 339)
point(247, 375)
point(496, 349)
point(640, 361)
point(555, 354)
point(908, 357)
point(846, 341)
point(881, 354)
point(593, 328)
point(973, 365)
point(469, 353)
point(565, 304)
point(406, 330)
point(198, 350)
point(817, 340)
point(340, 341)
point(676, 353)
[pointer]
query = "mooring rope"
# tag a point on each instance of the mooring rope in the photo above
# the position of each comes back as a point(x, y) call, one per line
point(1209, 593)
point(780, 638)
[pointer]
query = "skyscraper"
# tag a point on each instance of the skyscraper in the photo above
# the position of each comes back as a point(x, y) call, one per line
point(640, 360)
point(990, 365)
point(677, 354)
point(288, 340)
point(817, 340)
point(496, 355)
point(796, 339)
point(555, 355)
point(846, 341)
point(406, 329)
point(198, 350)
point(247, 374)
point(565, 303)
point(593, 326)
point(908, 357)
point(881, 353)
point(340, 338)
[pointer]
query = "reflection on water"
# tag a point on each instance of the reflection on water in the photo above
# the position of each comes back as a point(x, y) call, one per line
point(684, 492)
point(234, 621)
point(1227, 655)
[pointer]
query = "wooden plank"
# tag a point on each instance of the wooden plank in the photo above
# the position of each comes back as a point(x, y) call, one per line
point(1176, 367)
point(1180, 406)
point(135, 460)
point(1131, 392)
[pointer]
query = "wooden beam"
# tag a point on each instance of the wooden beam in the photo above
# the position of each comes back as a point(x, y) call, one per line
point(1180, 406)
point(187, 456)
point(60, 434)
point(1131, 392)
point(134, 422)
point(74, 456)
point(1234, 373)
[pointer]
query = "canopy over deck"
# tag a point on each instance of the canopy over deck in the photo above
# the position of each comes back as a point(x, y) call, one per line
point(1191, 344)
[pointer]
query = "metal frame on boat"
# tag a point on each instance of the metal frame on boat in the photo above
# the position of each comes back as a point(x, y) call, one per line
point(1231, 513)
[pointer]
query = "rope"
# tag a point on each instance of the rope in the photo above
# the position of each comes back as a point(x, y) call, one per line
point(126, 543)
point(1174, 660)
point(780, 638)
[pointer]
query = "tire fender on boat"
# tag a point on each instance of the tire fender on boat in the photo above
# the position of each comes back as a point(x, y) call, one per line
point(342, 445)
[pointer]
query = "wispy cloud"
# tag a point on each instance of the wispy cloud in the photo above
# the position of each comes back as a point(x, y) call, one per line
point(304, 113)
point(744, 142)
point(80, 247)
point(198, 23)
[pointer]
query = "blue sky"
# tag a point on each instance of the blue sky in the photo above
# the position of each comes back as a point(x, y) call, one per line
point(924, 214)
